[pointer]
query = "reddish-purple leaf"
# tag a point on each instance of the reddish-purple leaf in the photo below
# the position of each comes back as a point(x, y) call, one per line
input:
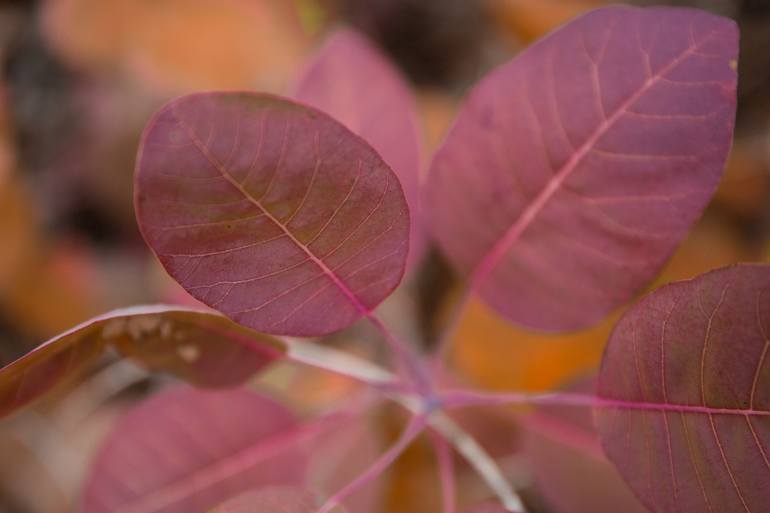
point(272, 213)
point(188, 450)
point(353, 82)
point(574, 171)
point(568, 464)
point(685, 376)
point(275, 499)
point(200, 346)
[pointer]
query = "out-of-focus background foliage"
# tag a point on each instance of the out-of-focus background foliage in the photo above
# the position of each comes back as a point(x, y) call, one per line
point(81, 77)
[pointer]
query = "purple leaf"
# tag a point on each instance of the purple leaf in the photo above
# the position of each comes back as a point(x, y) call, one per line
point(685, 377)
point(200, 346)
point(574, 171)
point(568, 464)
point(352, 81)
point(188, 450)
point(273, 213)
point(274, 499)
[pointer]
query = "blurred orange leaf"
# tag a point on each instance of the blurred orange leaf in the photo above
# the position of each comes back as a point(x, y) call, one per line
point(181, 45)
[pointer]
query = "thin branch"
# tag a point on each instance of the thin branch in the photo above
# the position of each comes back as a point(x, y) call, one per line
point(479, 459)
point(446, 472)
point(413, 429)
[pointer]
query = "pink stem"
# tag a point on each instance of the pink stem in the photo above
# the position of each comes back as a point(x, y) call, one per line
point(465, 398)
point(409, 361)
point(569, 435)
point(446, 472)
point(412, 430)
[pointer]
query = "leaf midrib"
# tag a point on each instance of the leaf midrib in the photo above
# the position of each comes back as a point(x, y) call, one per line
point(528, 215)
point(327, 271)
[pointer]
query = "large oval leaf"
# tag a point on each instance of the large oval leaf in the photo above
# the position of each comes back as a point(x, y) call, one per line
point(188, 450)
point(573, 172)
point(200, 346)
point(686, 375)
point(273, 213)
point(275, 499)
point(352, 81)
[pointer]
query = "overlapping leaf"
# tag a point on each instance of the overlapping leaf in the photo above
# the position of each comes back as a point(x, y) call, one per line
point(202, 347)
point(272, 213)
point(353, 82)
point(573, 172)
point(685, 378)
point(189, 450)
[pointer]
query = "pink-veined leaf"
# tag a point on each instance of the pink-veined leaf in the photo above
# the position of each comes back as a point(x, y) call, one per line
point(356, 84)
point(275, 499)
point(685, 378)
point(568, 464)
point(203, 347)
point(186, 450)
point(271, 212)
point(574, 171)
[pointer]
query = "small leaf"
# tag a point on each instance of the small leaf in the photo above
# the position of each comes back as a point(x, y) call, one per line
point(273, 213)
point(200, 346)
point(573, 172)
point(275, 499)
point(684, 380)
point(187, 450)
point(355, 83)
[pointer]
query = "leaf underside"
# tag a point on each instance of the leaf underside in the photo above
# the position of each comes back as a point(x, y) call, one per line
point(689, 368)
point(202, 347)
point(272, 213)
point(573, 172)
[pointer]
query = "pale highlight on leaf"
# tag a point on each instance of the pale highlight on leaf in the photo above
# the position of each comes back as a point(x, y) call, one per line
point(200, 346)
point(488, 508)
point(589, 155)
point(272, 213)
point(688, 368)
point(355, 83)
point(275, 499)
point(189, 450)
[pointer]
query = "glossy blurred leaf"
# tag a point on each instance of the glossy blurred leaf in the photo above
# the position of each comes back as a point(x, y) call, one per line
point(341, 455)
point(685, 373)
point(273, 213)
point(573, 172)
point(181, 45)
point(188, 450)
point(275, 499)
point(200, 346)
point(354, 82)
point(568, 464)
